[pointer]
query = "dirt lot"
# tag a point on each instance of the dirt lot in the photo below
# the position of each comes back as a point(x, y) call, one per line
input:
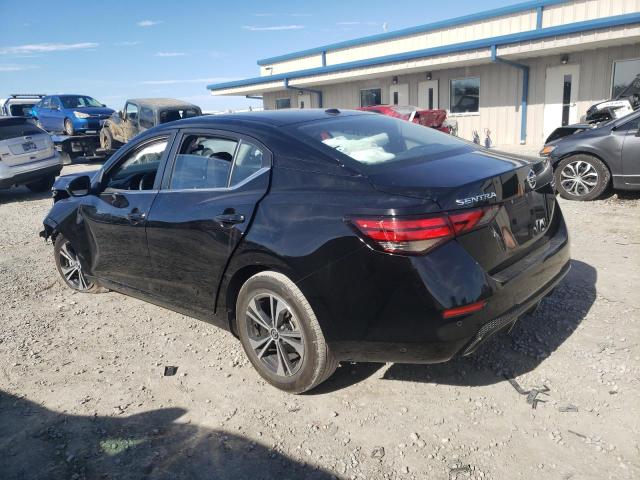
point(82, 391)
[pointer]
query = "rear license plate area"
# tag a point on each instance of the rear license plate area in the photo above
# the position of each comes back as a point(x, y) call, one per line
point(29, 146)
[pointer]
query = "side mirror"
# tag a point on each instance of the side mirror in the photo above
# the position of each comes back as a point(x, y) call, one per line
point(638, 133)
point(79, 186)
point(104, 105)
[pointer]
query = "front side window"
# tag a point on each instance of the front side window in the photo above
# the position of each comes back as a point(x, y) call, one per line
point(79, 101)
point(55, 103)
point(203, 162)
point(465, 95)
point(137, 170)
point(283, 103)
point(370, 96)
point(131, 112)
point(626, 76)
point(373, 140)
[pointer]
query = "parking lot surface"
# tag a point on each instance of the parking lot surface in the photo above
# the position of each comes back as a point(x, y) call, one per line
point(83, 392)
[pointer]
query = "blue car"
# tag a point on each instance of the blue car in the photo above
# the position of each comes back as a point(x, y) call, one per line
point(71, 114)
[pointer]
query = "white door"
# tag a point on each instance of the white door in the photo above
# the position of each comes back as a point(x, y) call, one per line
point(560, 97)
point(304, 101)
point(399, 94)
point(428, 96)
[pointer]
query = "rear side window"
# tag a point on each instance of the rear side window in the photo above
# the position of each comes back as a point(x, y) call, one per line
point(203, 162)
point(19, 130)
point(249, 159)
point(373, 140)
point(146, 117)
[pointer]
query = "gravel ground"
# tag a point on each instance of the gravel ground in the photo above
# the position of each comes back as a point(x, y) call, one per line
point(82, 391)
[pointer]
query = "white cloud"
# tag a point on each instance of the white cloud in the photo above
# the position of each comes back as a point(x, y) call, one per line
point(148, 23)
point(274, 28)
point(263, 14)
point(12, 67)
point(300, 14)
point(170, 54)
point(188, 80)
point(126, 44)
point(45, 48)
point(348, 23)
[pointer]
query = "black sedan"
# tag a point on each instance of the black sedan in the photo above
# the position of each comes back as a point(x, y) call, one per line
point(588, 159)
point(317, 236)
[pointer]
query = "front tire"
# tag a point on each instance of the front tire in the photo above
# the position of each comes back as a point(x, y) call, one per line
point(70, 268)
point(281, 335)
point(42, 185)
point(106, 139)
point(68, 127)
point(581, 177)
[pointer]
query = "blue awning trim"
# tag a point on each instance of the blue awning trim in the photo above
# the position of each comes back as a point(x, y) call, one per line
point(474, 17)
point(576, 27)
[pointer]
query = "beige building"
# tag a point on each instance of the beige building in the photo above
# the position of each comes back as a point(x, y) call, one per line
point(519, 71)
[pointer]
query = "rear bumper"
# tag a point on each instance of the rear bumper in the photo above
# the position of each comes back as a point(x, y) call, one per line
point(425, 337)
point(23, 174)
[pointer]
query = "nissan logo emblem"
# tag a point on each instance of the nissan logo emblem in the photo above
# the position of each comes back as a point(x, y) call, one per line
point(531, 179)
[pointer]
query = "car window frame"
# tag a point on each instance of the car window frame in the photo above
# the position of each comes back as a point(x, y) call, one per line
point(122, 155)
point(137, 121)
point(267, 156)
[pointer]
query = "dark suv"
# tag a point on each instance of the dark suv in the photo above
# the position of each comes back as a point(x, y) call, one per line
point(140, 114)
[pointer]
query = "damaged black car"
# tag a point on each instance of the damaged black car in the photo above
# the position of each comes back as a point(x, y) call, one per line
point(317, 236)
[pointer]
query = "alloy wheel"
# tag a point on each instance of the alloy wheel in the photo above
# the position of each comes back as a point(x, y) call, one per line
point(274, 334)
point(578, 178)
point(71, 267)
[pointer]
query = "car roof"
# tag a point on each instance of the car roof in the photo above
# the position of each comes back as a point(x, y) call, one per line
point(161, 102)
point(276, 118)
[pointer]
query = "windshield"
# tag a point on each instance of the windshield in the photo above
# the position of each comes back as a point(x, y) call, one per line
point(375, 139)
point(79, 101)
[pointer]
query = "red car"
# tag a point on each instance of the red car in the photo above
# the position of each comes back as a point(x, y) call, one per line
point(429, 118)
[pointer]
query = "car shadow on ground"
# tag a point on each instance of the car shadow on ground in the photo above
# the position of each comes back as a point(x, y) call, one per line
point(533, 338)
point(38, 443)
point(21, 194)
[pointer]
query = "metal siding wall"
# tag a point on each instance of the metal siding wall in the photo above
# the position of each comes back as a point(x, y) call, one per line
point(500, 92)
point(581, 10)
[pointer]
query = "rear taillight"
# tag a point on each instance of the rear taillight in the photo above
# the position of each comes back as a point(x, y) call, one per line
point(417, 235)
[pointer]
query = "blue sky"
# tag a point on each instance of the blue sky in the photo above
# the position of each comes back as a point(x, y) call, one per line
point(119, 49)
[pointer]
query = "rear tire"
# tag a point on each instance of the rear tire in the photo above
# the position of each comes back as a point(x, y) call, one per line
point(581, 177)
point(290, 353)
point(68, 127)
point(70, 268)
point(42, 185)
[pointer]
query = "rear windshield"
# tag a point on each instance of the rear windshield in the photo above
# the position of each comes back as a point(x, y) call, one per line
point(21, 109)
point(373, 140)
point(20, 130)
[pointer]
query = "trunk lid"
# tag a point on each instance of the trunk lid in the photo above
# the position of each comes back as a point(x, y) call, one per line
point(465, 178)
point(25, 149)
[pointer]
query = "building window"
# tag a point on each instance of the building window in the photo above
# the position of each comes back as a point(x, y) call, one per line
point(283, 103)
point(624, 73)
point(370, 96)
point(465, 95)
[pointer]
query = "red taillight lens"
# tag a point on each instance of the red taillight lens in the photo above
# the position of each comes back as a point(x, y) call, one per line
point(464, 310)
point(418, 235)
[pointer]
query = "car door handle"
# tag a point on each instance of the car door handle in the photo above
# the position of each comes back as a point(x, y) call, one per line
point(230, 218)
point(136, 216)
